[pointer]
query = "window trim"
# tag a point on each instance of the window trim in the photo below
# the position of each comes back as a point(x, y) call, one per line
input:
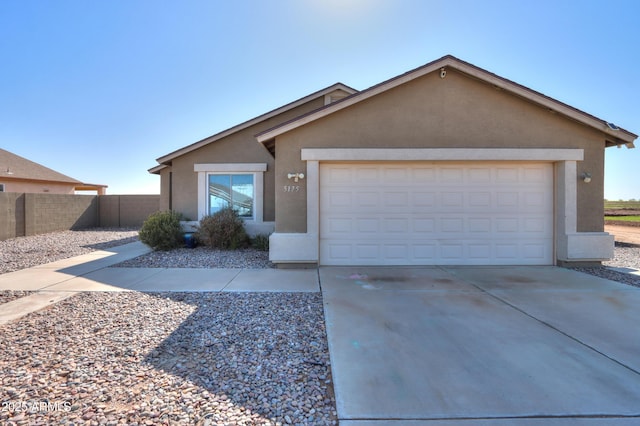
point(257, 169)
point(230, 175)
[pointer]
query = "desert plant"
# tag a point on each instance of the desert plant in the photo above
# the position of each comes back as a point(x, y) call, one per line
point(223, 229)
point(162, 231)
point(261, 242)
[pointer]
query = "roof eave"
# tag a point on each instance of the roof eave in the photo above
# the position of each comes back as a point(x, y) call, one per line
point(157, 169)
point(166, 159)
point(449, 61)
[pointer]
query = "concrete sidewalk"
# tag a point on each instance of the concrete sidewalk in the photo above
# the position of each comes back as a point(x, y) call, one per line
point(58, 280)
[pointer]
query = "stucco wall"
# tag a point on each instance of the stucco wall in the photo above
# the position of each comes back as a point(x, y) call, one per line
point(430, 112)
point(38, 187)
point(240, 147)
point(165, 189)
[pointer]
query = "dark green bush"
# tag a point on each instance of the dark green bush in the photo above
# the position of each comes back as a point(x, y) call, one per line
point(261, 242)
point(162, 231)
point(223, 229)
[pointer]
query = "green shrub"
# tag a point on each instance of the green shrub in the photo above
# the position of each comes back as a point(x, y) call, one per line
point(261, 242)
point(162, 231)
point(223, 229)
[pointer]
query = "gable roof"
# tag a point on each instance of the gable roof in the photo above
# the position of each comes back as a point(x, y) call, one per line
point(13, 166)
point(615, 135)
point(166, 159)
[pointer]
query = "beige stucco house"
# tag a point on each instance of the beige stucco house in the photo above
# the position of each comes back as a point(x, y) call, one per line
point(18, 174)
point(445, 164)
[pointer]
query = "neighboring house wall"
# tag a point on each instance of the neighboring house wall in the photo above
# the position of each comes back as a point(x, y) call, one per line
point(37, 187)
point(239, 147)
point(30, 214)
point(430, 112)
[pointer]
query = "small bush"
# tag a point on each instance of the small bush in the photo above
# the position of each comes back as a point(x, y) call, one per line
point(224, 230)
point(162, 231)
point(261, 242)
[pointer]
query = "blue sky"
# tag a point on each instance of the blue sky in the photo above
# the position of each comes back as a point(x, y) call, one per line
point(98, 90)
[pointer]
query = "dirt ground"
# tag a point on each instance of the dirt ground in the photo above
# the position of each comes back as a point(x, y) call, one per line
point(624, 234)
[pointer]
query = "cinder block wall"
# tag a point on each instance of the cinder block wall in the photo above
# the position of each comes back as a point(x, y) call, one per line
point(31, 214)
point(11, 215)
point(58, 212)
point(127, 210)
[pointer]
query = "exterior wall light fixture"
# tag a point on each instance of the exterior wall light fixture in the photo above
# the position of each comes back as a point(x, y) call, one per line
point(586, 177)
point(295, 176)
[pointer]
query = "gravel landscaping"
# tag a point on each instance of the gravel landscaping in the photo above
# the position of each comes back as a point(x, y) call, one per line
point(162, 358)
point(9, 295)
point(169, 358)
point(625, 256)
point(25, 252)
point(201, 257)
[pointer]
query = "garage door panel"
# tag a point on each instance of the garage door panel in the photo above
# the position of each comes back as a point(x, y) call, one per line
point(396, 200)
point(436, 213)
point(367, 174)
point(480, 200)
point(421, 199)
point(338, 225)
point(450, 175)
point(479, 252)
point(423, 225)
point(367, 199)
point(423, 175)
point(479, 225)
point(339, 199)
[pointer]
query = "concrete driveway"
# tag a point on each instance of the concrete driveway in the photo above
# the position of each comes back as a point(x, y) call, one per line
point(482, 346)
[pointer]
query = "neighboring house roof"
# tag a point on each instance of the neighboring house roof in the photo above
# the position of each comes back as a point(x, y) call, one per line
point(166, 159)
point(615, 135)
point(15, 167)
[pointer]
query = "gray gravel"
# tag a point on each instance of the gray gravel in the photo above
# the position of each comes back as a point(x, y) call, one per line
point(25, 252)
point(201, 257)
point(625, 256)
point(9, 295)
point(169, 358)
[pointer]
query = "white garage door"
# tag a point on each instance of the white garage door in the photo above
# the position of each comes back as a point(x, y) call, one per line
point(436, 213)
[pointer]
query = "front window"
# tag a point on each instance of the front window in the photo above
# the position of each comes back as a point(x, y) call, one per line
point(231, 190)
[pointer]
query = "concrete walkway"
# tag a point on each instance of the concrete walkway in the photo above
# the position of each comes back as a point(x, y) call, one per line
point(479, 346)
point(58, 280)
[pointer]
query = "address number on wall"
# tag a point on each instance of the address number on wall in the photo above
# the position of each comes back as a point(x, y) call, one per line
point(291, 188)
